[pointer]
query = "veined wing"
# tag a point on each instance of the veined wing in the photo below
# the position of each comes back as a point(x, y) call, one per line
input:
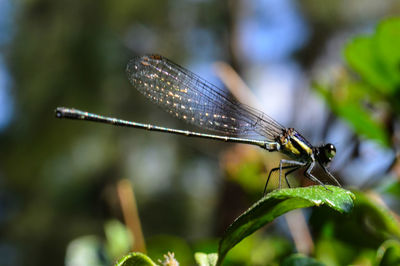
point(188, 97)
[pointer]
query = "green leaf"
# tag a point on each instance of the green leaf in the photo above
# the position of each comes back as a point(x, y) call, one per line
point(349, 107)
point(388, 253)
point(392, 189)
point(368, 225)
point(378, 218)
point(279, 202)
point(87, 250)
point(119, 240)
point(204, 259)
point(387, 39)
point(259, 249)
point(135, 259)
point(300, 260)
point(334, 252)
point(360, 54)
point(159, 245)
point(376, 58)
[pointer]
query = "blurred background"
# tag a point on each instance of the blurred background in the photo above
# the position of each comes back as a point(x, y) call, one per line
point(60, 188)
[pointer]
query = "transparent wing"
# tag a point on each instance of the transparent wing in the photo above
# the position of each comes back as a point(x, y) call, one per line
point(187, 96)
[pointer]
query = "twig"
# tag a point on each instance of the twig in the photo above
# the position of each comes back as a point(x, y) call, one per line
point(130, 213)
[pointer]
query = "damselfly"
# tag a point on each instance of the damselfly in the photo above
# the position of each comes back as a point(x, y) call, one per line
point(188, 97)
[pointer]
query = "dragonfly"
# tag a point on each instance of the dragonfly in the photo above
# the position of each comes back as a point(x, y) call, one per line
point(196, 101)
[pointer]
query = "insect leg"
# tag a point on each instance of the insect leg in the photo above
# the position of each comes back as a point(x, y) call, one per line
point(289, 163)
point(330, 175)
point(273, 170)
point(308, 174)
point(289, 172)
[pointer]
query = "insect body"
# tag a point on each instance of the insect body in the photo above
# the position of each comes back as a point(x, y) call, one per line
point(303, 155)
point(188, 97)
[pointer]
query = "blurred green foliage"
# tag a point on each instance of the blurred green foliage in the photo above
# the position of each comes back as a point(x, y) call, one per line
point(300, 260)
point(94, 250)
point(160, 245)
point(344, 240)
point(203, 259)
point(389, 253)
point(259, 249)
point(376, 89)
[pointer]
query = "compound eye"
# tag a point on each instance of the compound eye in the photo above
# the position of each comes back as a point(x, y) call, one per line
point(330, 151)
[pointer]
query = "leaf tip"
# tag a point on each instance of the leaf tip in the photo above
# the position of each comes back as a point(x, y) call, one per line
point(317, 202)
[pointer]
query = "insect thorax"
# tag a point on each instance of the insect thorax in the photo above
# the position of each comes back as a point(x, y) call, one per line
point(295, 146)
